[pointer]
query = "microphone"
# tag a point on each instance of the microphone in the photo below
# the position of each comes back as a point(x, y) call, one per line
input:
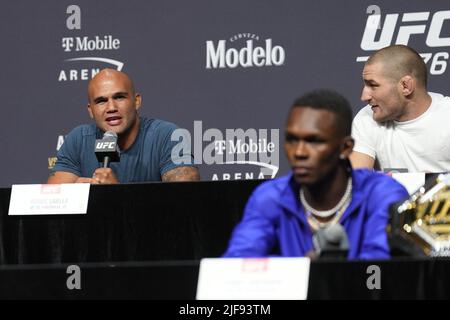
point(106, 149)
point(331, 242)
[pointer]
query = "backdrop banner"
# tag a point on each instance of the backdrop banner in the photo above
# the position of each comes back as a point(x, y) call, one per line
point(226, 71)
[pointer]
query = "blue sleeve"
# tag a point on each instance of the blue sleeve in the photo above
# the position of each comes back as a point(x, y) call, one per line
point(255, 235)
point(171, 155)
point(384, 193)
point(68, 157)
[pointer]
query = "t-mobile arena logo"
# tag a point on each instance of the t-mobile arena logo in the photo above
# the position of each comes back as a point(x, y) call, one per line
point(259, 147)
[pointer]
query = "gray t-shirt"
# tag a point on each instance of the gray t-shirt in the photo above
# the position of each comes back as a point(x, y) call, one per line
point(145, 160)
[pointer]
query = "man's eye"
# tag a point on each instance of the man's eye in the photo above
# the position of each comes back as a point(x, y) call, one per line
point(291, 139)
point(315, 141)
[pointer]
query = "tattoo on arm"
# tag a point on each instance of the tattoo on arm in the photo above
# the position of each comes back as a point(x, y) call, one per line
point(181, 174)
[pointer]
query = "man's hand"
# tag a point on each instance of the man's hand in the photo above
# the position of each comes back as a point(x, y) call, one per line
point(181, 174)
point(104, 176)
point(86, 180)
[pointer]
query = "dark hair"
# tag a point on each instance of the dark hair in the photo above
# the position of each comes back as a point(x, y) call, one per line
point(331, 101)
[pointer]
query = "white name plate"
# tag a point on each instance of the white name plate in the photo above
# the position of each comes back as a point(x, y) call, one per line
point(47, 199)
point(253, 279)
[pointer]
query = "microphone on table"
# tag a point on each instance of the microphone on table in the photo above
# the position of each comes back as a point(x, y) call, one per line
point(331, 242)
point(107, 149)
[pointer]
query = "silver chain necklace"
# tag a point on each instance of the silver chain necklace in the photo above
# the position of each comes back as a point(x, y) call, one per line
point(328, 213)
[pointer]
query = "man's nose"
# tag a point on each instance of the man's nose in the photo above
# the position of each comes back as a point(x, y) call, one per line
point(301, 151)
point(365, 94)
point(111, 106)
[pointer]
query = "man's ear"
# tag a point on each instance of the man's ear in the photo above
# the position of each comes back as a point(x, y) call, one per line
point(407, 85)
point(346, 147)
point(90, 111)
point(138, 101)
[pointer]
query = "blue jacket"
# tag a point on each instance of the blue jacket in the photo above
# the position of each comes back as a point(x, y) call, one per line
point(274, 218)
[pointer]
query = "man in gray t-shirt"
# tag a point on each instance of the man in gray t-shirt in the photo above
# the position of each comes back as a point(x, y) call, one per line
point(145, 144)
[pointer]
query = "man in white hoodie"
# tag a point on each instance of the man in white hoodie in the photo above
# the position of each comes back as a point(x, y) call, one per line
point(403, 126)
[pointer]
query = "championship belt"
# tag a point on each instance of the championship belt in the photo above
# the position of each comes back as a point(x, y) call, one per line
point(423, 220)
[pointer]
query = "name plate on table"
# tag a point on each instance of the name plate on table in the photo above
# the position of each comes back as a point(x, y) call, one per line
point(47, 199)
point(253, 279)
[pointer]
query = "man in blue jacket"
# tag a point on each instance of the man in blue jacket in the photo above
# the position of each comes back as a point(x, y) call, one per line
point(282, 215)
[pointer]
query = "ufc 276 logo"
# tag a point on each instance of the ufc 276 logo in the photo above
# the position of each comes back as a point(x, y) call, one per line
point(400, 28)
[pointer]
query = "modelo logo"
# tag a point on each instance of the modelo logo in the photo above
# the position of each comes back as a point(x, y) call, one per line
point(218, 56)
point(102, 145)
point(433, 39)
